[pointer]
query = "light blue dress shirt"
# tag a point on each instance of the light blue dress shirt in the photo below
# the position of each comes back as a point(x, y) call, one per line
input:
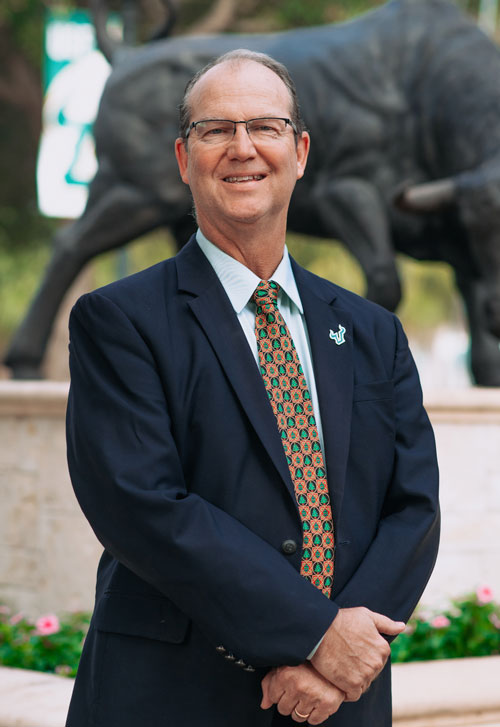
point(239, 282)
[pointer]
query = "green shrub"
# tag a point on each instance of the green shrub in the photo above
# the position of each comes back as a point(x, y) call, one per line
point(46, 645)
point(470, 627)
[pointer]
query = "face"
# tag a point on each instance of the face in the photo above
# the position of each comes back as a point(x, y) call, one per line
point(242, 182)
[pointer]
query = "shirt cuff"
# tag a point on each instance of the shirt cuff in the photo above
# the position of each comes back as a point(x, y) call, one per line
point(310, 656)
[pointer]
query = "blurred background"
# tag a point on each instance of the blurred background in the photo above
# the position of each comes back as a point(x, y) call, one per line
point(431, 310)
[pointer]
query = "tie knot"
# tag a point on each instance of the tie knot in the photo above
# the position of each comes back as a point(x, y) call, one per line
point(266, 293)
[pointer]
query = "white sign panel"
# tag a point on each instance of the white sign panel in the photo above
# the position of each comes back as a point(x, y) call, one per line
point(76, 74)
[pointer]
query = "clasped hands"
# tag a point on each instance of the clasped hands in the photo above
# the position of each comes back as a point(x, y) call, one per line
point(351, 655)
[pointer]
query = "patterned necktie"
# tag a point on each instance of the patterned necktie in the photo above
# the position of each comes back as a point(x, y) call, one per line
point(291, 403)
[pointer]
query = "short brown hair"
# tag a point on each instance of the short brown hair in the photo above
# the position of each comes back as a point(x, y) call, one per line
point(242, 54)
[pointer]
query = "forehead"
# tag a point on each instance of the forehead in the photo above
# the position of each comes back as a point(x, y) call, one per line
point(244, 88)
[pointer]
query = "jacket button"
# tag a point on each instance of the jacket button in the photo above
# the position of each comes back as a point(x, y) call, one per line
point(289, 547)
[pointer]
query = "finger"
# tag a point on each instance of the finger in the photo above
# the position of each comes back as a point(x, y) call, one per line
point(317, 716)
point(287, 704)
point(266, 685)
point(386, 625)
point(276, 689)
point(300, 713)
point(321, 712)
point(352, 695)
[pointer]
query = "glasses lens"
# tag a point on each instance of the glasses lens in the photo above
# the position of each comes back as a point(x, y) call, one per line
point(214, 131)
point(266, 129)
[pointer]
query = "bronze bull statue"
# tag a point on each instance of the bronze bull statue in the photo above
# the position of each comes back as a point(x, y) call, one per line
point(403, 107)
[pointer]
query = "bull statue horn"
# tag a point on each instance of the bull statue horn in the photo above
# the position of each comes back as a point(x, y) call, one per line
point(427, 197)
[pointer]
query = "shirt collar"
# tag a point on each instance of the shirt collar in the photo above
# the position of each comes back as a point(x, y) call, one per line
point(239, 282)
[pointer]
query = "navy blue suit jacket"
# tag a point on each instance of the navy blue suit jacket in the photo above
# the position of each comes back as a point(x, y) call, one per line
point(177, 463)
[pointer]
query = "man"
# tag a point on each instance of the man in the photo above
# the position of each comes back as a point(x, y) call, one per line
point(231, 417)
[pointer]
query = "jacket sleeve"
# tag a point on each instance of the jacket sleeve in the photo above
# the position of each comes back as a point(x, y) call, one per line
point(393, 574)
point(127, 476)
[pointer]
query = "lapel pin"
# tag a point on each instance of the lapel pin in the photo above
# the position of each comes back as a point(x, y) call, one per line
point(338, 336)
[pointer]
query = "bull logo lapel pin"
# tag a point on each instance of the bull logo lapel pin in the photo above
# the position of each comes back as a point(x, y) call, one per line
point(338, 336)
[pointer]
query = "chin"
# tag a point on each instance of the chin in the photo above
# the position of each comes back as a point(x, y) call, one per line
point(248, 215)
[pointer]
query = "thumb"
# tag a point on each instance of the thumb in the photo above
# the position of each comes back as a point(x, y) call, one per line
point(386, 625)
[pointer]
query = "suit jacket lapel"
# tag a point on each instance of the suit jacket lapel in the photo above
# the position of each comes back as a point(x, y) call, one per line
point(215, 314)
point(333, 373)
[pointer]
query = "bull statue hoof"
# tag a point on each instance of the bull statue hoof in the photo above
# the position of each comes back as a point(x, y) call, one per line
point(25, 372)
point(493, 316)
point(383, 287)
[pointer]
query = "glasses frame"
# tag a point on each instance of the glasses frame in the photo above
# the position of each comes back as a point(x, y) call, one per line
point(288, 122)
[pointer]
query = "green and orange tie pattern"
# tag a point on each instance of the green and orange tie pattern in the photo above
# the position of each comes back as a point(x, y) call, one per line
point(291, 403)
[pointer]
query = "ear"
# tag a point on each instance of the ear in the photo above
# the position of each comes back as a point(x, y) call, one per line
point(303, 145)
point(181, 154)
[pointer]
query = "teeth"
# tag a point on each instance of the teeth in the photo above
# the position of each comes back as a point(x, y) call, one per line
point(248, 178)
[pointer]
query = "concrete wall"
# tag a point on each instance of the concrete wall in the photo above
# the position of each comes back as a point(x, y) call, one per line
point(48, 554)
point(467, 428)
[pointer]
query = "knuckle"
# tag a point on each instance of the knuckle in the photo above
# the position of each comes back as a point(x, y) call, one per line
point(360, 680)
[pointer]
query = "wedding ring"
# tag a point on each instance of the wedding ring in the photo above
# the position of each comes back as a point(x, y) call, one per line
point(302, 716)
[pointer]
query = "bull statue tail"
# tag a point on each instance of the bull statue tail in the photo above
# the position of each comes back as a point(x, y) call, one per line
point(428, 197)
point(108, 45)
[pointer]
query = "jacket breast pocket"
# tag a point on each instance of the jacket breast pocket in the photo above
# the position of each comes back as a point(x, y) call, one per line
point(136, 615)
point(377, 390)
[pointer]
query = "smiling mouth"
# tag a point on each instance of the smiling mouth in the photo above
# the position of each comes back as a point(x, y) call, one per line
point(246, 178)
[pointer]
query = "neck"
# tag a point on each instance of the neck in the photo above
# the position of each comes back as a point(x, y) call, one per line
point(260, 250)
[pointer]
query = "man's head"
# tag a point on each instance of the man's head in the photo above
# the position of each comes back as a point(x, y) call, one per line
point(238, 56)
point(241, 173)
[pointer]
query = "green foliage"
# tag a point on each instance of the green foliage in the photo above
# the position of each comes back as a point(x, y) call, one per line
point(23, 19)
point(295, 13)
point(23, 646)
point(470, 627)
point(24, 252)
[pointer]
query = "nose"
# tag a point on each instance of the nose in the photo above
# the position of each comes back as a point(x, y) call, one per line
point(241, 146)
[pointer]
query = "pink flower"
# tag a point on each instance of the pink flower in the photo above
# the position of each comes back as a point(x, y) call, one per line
point(495, 620)
point(440, 622)
point(484, 595)
point(4, 610)
point(47, 624)
point(16, 618)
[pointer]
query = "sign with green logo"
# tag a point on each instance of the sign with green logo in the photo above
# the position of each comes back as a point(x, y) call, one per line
point(74, 76)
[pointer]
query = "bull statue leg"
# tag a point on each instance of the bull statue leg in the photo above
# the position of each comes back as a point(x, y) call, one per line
point(475, 194)
point(484, 346)
point(352, 211)
point(110, 220)
point(478, 199)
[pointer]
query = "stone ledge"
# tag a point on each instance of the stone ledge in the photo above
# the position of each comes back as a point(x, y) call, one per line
point(464, 406)
point(33, 398)
point(452, 693)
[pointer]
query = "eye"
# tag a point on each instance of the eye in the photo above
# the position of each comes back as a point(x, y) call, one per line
point(267, 127)
point(214, 130)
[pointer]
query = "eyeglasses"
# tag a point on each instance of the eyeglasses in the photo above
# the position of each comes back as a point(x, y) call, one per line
point(221, 131)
